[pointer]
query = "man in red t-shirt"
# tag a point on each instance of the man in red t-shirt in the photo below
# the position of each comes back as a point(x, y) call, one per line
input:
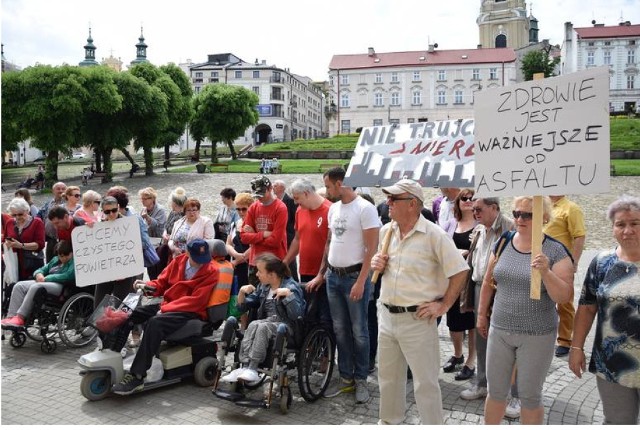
point(63, 222)
point(265, 226)
point(312, 229)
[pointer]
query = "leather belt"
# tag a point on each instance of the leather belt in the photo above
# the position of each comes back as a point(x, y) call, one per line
point(400, 309)
point(341, 271)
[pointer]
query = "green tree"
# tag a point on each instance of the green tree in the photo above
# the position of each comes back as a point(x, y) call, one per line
point(12, 131)
point(183, 109)
point(48, 106)
point(538, 61)
point(226, 111)
point(196, 126)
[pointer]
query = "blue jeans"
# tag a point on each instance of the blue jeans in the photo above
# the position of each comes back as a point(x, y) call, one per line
point(350, 324)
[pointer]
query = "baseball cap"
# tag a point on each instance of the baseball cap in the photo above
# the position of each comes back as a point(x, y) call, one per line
point(405, 186)
point(259, 186)
point(199, 251)
point(217, 248)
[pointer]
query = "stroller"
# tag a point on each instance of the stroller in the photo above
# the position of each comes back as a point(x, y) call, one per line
point(28, 183)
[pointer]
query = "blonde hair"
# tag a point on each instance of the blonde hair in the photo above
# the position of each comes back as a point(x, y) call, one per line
point(178, 196)
point(148, 192)
point(547, 206)
point(89, 197)
point(72, 189)
point(244, 199)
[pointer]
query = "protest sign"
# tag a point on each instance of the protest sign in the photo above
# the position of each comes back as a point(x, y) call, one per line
point(545, 137)
point(432, 153)
point(108, 251)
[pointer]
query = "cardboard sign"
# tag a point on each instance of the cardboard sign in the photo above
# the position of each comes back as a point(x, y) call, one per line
point(108, 251)
point(431, 153)
point(544, 137)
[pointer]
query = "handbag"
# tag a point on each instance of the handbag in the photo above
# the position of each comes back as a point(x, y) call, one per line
point(150, 255)
point(468, 293)
point(10, 273)
point(32, 261)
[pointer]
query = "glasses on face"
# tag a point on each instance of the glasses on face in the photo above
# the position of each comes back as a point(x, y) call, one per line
point(525, 216)
point(97, 202)
point(242, 209)
point(393, 198)
point(109, 211)
point(18, 215)
point(77, 196)
point(476, 210)
point(466, 199)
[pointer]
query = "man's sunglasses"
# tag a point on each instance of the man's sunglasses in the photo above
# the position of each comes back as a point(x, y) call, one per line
point(110, 211)
point(525, 216)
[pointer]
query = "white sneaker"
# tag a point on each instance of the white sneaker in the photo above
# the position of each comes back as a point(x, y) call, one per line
point(513, 409)
point(249, 375)
point(474, 393)
point(233, 375)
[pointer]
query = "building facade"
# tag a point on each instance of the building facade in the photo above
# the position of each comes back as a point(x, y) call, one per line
point(505, 24)
point(613, 46)
point(416, 86)
point(290, 106)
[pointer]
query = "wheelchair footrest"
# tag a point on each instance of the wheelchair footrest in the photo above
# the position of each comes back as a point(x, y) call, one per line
point(252, 403)
point(228, 395)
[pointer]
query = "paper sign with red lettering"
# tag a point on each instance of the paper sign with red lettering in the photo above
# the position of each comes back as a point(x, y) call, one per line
point(108, 251)
point(544, 137)
point(432, 153)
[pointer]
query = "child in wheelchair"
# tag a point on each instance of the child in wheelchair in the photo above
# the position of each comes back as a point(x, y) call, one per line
point(278, 299)
point(52, 277)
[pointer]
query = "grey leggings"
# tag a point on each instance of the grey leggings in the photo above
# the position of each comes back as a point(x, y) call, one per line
point(256, 341)
point(531, 354)
point(620, 405)
point(23, 294)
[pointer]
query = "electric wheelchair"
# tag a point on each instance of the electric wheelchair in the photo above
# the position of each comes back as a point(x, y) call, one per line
point(63, 316)
point(309, 350)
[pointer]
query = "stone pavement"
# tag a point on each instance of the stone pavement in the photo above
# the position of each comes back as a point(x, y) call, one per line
point(44, 389)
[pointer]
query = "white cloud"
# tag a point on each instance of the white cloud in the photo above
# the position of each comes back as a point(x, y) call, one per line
point(300, 35)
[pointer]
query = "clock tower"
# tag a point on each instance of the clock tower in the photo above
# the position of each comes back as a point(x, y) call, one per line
point(503, 23)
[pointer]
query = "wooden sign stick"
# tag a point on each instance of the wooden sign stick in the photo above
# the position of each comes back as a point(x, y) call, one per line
point(536, 233)
point(385, 247)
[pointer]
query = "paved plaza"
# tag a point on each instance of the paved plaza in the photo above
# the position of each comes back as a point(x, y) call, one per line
point(44, 389)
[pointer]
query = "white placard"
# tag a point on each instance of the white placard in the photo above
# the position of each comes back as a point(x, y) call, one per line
point(432, 153)
point(108, 251)
point(544, 137)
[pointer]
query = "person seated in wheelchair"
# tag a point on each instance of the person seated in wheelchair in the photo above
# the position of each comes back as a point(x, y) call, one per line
point(186, 285)
point(52, 277)
point(279, 299)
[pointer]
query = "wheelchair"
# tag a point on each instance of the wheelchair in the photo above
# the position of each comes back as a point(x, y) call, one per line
point(309, 350)
point(63, 316)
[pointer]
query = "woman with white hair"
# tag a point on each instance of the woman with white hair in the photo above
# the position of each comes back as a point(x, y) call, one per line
point(25, 236)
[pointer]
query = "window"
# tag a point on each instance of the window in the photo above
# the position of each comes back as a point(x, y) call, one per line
point(457, 97)
point(442, 97)
point(590, 58)
point(416, 75)
point(345, 126)
point(395, 99)
point(196, 90)
point(377, 99)
point(476, 74)
point(607, 43)
point(607, 57)
point(378, 78)
point(631, 56)
point(631, 82)
point(442, 75)
point(377, 122)
point(256, 74)
point(394, 121)
point(345, 102)
point(238, 74)
point(344, 80)
point(256, 90)
point(411, 120)
point(331, 80)
point(591, 44)
point(417, 98)
point(394, 77)
point(198, 74)
point(493, 73)
point(214, 74)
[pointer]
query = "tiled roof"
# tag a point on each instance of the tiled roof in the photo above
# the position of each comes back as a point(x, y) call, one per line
point(608, 32)
point(423, 58)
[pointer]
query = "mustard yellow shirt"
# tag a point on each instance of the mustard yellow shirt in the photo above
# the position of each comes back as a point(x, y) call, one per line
point(567, 222)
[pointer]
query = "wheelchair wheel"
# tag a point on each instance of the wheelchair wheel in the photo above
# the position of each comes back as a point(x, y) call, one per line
point(48, 346)
point(18, 339)
point(315, 365)
point(205, 372)
point(71, 322)
point(95, 385)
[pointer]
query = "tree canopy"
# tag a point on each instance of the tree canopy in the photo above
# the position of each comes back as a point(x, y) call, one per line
point(538, 61)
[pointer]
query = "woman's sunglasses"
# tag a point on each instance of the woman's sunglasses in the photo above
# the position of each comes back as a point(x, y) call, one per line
point(110, 211)
point(466, 199)
point(522, 215)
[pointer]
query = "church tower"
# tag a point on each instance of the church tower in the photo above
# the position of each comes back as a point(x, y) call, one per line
point(141, 50)
point(89, 53)
point(503, 23)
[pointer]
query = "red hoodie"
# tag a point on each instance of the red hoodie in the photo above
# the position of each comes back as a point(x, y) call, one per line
point(185, 296)
point(272, 217)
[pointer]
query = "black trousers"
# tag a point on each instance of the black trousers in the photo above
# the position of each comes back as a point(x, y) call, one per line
point(158, 328)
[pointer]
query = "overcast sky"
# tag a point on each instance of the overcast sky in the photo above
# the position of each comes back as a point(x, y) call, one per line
point(301, 35)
